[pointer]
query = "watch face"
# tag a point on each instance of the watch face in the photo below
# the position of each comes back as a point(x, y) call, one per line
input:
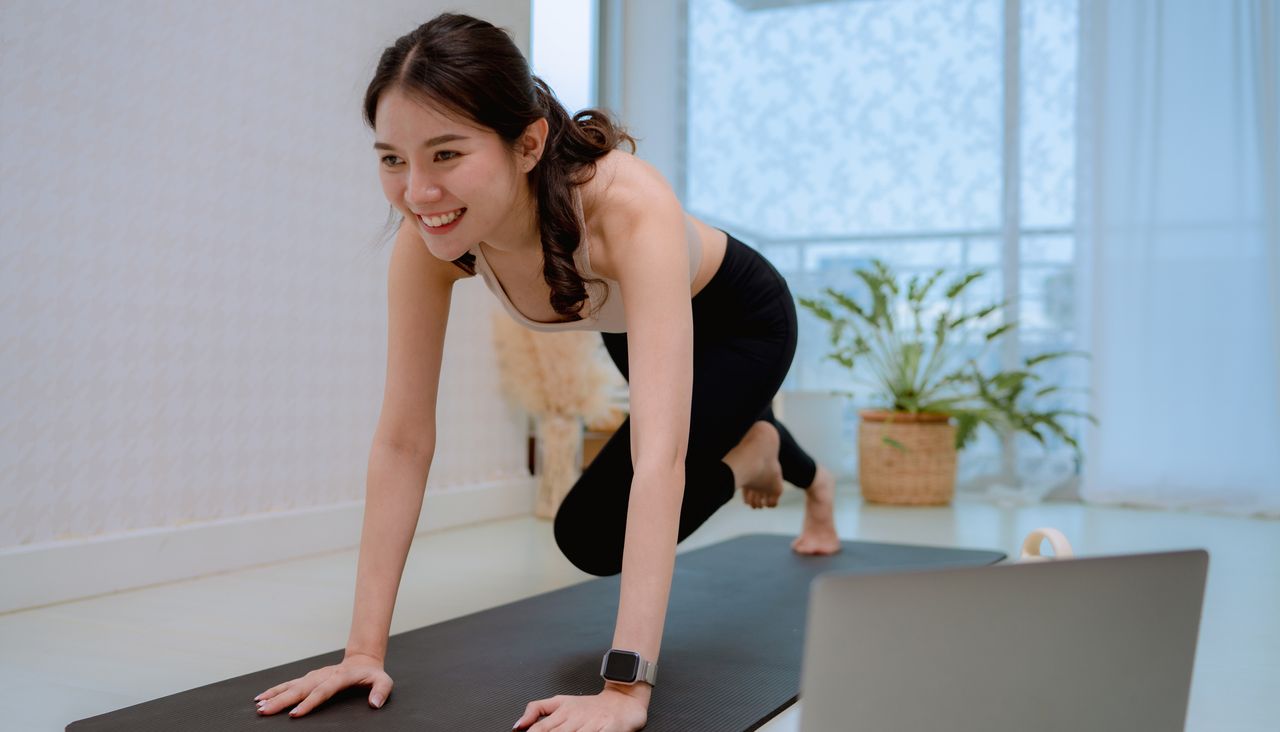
point(621, 666)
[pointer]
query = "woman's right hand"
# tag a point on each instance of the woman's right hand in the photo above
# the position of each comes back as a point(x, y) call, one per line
point(316, 687)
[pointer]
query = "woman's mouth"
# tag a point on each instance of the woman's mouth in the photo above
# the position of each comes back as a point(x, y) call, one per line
point(442, 223)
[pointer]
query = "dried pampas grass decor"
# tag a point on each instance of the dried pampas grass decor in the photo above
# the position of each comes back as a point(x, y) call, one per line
point(560, 378)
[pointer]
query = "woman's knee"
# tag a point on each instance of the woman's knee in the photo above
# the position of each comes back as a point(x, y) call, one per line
point(585, 544)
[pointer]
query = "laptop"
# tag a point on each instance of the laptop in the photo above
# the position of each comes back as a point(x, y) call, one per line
point(1096, 643)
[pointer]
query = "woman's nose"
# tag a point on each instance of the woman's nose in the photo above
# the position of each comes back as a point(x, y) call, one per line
point(423, 190)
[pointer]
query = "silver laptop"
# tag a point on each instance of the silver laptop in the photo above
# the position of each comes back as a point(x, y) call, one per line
point(1098, 643)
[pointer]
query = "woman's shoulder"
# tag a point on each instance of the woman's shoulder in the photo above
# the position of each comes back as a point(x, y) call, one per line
point(620, 179)
point(615, 200)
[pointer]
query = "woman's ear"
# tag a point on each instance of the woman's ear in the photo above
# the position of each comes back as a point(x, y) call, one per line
point(533, 143)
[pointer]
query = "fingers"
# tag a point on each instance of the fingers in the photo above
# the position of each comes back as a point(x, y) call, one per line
point(300, 696)
point(274, 690)
point(551, 724)
point(381, 690)
point(536, 709)
point(319, 695)
point(311, 678)
point(283, 700)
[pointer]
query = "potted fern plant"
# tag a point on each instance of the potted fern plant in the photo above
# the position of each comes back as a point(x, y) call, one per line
point(918, 355)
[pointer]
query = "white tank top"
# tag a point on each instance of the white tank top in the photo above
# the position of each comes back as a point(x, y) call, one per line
point(611, 316)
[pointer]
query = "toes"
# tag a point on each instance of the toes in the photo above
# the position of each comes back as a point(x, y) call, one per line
point(810, 545)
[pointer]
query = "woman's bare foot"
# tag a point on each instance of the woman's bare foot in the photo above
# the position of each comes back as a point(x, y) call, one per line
point(754, 462)
point(819, 533)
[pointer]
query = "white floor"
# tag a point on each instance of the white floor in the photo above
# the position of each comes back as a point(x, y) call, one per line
point(78, 659)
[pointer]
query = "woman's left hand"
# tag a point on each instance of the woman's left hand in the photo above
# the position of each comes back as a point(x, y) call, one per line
point(612, 710)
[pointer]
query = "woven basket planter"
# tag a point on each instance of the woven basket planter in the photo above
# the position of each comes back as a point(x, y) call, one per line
point(920, 473)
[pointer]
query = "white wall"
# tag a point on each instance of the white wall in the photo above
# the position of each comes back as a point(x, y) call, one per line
point(192, 320)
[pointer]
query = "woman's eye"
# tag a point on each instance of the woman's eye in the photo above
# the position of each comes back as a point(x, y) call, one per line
point(442, 156)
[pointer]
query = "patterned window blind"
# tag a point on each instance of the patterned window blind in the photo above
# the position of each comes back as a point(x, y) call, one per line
point(826, 134)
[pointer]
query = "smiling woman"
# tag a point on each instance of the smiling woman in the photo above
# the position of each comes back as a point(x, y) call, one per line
point(492, 176)
point(485, 111)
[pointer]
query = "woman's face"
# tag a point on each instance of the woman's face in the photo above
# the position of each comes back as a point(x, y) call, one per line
point(461, 177)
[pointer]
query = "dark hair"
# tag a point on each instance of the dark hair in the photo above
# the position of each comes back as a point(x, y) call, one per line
point(472, 68)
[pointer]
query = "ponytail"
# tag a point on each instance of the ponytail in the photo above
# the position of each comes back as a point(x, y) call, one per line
point(572, 147)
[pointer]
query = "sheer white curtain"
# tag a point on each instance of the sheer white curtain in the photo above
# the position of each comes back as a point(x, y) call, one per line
point(1180, 252)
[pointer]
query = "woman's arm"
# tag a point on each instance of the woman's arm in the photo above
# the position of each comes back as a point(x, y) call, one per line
point(648, 251)
point(418, 294)
point(418, 289)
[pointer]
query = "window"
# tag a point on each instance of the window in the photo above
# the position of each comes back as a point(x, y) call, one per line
point(826, 134)
point(564, 49)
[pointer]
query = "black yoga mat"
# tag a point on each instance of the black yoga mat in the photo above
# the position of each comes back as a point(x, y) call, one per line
point(730, 657)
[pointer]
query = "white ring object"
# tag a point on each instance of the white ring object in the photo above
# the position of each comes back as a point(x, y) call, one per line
point(1057, 540)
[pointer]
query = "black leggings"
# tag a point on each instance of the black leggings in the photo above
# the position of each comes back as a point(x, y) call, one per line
point(744, 337)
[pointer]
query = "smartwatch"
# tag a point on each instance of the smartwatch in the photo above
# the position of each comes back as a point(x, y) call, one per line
point(627, 667)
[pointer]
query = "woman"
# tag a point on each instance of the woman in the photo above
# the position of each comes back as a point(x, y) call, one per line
point(494, 178)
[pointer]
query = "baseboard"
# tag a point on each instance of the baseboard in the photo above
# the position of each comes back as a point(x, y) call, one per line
point(43, 574)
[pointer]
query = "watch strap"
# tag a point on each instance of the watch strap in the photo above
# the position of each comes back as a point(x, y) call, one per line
point(648, 671)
